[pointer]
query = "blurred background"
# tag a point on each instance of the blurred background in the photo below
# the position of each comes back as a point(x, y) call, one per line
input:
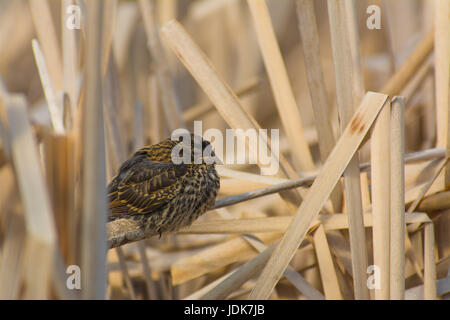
point(145, 93)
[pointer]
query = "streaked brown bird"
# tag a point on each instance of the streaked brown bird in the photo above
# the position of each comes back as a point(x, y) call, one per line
point(165, 195)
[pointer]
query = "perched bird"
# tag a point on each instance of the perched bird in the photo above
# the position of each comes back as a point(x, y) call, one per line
point(163, 195)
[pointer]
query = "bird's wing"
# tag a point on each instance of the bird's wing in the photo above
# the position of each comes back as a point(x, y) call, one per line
point(144, 186)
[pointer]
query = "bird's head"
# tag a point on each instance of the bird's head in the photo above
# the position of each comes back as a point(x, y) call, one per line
point(195, 149)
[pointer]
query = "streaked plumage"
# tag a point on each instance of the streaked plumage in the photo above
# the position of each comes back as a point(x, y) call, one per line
point(162, 196)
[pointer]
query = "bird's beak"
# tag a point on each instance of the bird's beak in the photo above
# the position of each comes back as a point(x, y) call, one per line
point(212, 160)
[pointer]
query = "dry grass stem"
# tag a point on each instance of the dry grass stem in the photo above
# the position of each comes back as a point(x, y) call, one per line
point(55, 108)
point(381, 175)
point(397, 222)
point(171, 109)
point(46, 32)
point(280, 224)
point(347, 100)
point(326, 266)
point(429, 263)
point(319, 192)
point(93, 229)
point(441, 70)
point(41, 236)
point(317, 89)
point(282, 91)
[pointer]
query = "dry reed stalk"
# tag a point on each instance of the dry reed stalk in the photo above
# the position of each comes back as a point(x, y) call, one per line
point(342, 63)
point(400, 78)
point(397, 199)
point(285, 101)
point(115, 277)
point(417, 249)
point(93, 245)
point(396, 13)
point(59, 280)
point(429, 263)
point(317, 89)
point(7, 190)
point(441, 70)
point(241, 175)
point(218, 45)
point(54, 108)
point(279, 224)
point(421, 172)
point(162, 258)
point(240, 276)
point(310, 136)
point(292, 275)
point(167, 10)
point(418, 80)
point(12, 256)
point(151, 285)
point(3, 90)
point(421, 191)
point(70, 58)
point(239, 25)
point(353, 41)
point(204, 290)
point(381, 173)
point(416, 191)
point(171, 110)
point(128, 15)
point(347, 99)
point(295, 278)
point(198, 110)
point(112, 110)
point(358, 88)
point(122, 231)
point(326, 266)
point(438, 201)
point(138, 130)
point(60, 173)
point(442, 288)
point(109, 22)
point(215, 257)
point(125, 274)
point(428, 90)
point(219, 92)
point(442, 82)
point(235, 187)
point(67, 111)
point(426, 186)
point(319, 192)
point(302, 285)
point(5, 151)
point(262, 192)
point(40, 231)
point(365, 190)
point(155, 126)
point(424, 155)
point(13, 46)
point(46, 33)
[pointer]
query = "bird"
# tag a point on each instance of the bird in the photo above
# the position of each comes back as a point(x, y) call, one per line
point(163, 195)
